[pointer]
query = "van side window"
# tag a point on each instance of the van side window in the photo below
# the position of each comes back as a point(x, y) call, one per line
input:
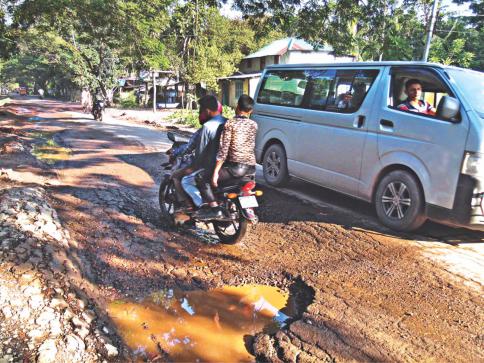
point(339, 90)
point(283, 88)
point(320, 84)
point(416, 91)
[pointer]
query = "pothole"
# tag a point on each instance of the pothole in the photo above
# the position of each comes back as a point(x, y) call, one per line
point(215, 325)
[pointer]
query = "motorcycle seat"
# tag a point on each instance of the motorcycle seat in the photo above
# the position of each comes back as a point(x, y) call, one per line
point(177, 137)
point(234, 184)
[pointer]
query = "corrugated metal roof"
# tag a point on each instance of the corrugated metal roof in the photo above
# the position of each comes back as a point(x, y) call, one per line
point(242, 76)
point(281, 46)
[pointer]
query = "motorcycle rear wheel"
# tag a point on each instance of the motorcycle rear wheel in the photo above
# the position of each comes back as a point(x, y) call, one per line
point(232, 232)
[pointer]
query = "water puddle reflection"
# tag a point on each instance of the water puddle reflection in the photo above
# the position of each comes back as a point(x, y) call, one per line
point(200, 326)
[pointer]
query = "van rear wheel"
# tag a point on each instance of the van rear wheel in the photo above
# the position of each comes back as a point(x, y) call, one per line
point(274, 165)
point(400, 202)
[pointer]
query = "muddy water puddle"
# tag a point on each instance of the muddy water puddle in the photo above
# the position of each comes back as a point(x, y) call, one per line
point(201, 326)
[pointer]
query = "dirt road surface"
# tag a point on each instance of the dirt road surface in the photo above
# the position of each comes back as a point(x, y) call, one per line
point(361, 291)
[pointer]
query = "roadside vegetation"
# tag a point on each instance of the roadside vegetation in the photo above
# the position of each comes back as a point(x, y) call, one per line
point(61, 48)
point(190, 117)
point(128, 100)
point(47, 150)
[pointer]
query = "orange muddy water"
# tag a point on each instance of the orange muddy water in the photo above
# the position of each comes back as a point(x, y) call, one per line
point(200, 326)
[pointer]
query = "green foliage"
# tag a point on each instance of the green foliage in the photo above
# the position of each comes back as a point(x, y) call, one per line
point(185, 117)
point(457, 42)
point(128, 101)
point(190, 117)
point(203, 45)
point(228, 112)
point(450, 53)
point(98, 38)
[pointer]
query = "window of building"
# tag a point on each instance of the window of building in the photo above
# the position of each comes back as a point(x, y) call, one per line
point(249, 63)
point(239, 89)
point(276, 59)
point(262, 63)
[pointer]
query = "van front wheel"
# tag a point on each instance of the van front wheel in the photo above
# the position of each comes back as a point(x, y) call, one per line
point(400, 202)
point(275, 165)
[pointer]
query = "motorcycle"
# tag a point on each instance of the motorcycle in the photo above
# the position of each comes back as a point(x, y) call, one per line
point(237, 200)
point(98, 109)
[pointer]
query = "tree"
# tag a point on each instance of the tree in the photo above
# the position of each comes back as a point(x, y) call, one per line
point(102, 37)
point(203, 45)
point(265, 16)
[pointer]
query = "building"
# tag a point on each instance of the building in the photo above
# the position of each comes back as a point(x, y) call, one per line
point(282, 51)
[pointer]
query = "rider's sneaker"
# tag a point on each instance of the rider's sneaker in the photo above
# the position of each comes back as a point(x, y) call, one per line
point(209, 213)
point(184, 209)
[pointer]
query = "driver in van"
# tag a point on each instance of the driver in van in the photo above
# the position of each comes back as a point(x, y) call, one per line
point(414, 103)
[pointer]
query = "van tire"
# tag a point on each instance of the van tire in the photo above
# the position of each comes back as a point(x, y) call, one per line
point(400, 202)
point(274, 165)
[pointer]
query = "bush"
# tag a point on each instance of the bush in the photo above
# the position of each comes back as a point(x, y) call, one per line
point(128, 101)
point(185, 117)
point(190, 117)
point(228, 112)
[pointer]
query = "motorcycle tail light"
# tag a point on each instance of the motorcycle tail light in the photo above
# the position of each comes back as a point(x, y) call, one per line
point(248, 186)
point(258, 193)
point(232, 195)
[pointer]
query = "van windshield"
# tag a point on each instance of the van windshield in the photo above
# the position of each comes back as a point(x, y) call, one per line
point(472, 83)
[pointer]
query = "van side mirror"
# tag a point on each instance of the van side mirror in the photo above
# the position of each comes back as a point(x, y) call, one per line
point(448, 109)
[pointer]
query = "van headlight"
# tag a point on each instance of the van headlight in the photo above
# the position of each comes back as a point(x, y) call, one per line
point(473, 164)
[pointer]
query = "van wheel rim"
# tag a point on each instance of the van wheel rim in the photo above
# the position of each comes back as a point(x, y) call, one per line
point(273, 165)
point(396, 200)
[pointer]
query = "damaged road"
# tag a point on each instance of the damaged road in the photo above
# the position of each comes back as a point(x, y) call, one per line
point(360, 291)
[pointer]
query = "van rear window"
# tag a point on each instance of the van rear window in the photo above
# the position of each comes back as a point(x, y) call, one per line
point(336, 90)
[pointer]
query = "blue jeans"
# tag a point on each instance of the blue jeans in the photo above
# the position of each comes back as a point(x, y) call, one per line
point(189, 184)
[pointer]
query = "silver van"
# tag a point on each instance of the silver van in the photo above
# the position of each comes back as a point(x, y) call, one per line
point(346, 127)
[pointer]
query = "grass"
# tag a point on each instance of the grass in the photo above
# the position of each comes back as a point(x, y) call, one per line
point(47, 149)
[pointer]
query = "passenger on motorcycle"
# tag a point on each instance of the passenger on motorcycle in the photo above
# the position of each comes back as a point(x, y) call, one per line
point(235, 157)
point(205, 151)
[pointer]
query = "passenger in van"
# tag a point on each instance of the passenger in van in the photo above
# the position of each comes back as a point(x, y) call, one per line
point(235, 156)
point(413, 103)
point(345, 101)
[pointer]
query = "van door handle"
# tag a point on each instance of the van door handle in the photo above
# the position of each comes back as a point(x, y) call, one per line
point(386, 123)
point(360, 121)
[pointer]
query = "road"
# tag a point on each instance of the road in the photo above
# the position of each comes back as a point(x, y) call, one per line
point(360, 291)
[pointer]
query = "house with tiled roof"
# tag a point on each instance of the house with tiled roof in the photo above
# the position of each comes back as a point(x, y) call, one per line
point(282, 51)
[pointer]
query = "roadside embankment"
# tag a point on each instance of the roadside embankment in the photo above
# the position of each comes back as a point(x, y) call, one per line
point(45, 314)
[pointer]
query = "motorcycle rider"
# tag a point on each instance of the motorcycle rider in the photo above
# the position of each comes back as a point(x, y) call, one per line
point(235, 156)
point(205, 151)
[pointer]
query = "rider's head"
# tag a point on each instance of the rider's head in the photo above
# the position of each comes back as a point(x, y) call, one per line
point(209, 107)
point(245, 105)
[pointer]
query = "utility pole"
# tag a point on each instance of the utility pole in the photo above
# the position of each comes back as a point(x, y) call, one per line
point(154, 91)
point(430, 31)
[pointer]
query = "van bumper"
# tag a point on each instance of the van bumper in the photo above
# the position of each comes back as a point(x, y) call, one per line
point(468, 208)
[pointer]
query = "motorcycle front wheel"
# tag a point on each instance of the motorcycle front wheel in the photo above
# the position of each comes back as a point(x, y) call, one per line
point(234, 231)
point(166, 199)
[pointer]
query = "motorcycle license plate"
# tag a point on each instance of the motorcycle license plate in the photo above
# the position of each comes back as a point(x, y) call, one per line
point(248, 202)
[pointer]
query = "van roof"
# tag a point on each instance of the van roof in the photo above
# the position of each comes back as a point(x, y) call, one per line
point(358, 64)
